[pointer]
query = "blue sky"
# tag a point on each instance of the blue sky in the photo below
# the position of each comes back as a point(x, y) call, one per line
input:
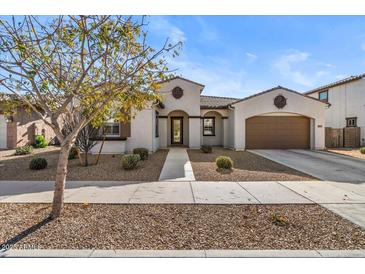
point(236, 56)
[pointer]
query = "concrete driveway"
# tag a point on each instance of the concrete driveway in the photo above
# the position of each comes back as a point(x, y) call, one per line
point(322, 165)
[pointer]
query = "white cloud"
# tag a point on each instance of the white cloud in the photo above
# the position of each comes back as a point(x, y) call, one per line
point(250, 57)
point(362, 46)
point(166, 28)
point(298, 67)
point(286, 67)
point(322, 73)
point(330, 65)
point(218, 78)
point(206, 32)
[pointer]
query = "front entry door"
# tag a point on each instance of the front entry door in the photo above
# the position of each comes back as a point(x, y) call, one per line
point(176, 130)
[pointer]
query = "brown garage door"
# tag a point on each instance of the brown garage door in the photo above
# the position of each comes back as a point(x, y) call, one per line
point(277, 132)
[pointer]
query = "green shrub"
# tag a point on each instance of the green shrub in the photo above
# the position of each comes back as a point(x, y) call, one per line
point(224, 162)
point(142, 152)
point(130, 161)
point(38, 163)
point(40, 141)
point(72, 154)
point(362, 150)
point(206, 149)
point(27, 149)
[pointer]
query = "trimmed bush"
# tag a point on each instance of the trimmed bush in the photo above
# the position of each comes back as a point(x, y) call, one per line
point(206, 149)
point(40, 141)
point(72, 154)
point(27, 149)
point(142, 152)
point(38, 163)
point(130, 161)
point(224, 162)
point(362, 150)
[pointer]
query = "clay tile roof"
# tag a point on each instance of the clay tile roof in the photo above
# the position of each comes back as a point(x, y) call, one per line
point(207, 102)
point(337, 83)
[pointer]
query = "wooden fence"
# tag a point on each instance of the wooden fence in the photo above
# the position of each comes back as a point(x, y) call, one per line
point(342, 137)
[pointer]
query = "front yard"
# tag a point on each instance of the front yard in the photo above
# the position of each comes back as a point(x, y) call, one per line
point(84, 226)
point(109, 167)
point(353, 152)
point(246, 167)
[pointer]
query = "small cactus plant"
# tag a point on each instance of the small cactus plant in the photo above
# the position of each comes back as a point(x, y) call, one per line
point(224, 162)
point(38, 163)
point(142, 152)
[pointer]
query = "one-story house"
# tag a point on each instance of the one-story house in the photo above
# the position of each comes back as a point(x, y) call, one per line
point(278, 118)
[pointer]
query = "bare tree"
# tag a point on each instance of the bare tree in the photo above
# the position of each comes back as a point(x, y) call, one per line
point(86, 140)
point(63, 65)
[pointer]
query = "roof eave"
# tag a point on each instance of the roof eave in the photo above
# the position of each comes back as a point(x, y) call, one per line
point(214, 107)
point(182, 78)
point(335, 84)
point(276, 88)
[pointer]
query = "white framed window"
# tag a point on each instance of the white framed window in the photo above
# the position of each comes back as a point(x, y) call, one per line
point(112, 129)
point(351, 122)
point(209, 126)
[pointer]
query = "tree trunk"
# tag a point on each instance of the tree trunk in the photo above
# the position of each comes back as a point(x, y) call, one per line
point(79, 156)
point(101, 148)
point(86, 161)
point(60, 181)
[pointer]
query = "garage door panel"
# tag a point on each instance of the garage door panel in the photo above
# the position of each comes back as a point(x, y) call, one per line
point(277, 132)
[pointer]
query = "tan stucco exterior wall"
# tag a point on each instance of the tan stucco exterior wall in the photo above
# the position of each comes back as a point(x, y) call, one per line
point(347, 100)
point(296, 103)
point(188, 104)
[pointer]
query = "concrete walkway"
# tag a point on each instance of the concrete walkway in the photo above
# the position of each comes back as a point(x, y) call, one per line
point(322, 165)
point(345, 199)
point(90, 253)
point(177, 166)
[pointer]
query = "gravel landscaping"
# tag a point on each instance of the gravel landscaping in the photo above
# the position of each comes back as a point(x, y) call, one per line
point(84, 226)
point(108, 169)
point(353, 152)
point(247, 167)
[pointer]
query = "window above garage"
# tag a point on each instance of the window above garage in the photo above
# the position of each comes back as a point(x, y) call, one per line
point(323, 96)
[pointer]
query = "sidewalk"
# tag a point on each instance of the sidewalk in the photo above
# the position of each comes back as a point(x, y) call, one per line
point(345, 199)
point(72, 253)
point(177, 166)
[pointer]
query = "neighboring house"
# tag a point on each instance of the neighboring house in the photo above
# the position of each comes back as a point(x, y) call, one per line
point(20, 128)
point(345, 118)
point(278, 118)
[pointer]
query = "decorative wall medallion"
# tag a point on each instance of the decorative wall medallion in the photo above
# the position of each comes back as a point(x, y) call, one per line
point(177, 92)
point(280, 101)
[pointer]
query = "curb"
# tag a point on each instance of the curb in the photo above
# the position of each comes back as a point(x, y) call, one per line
point(347, 157)
point(88, 253)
